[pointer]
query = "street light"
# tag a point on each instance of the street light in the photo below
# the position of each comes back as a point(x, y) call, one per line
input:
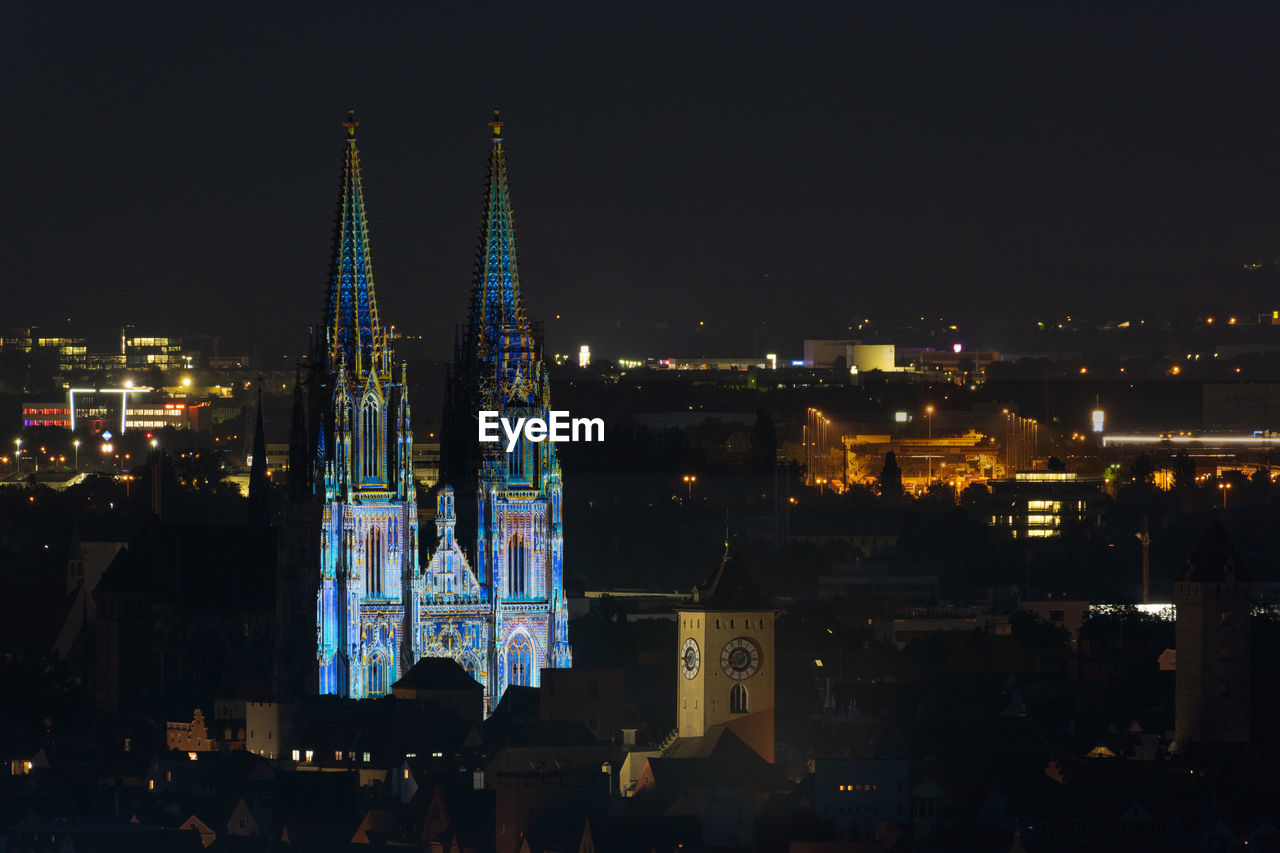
point(76, 444)
point(690, 479)
point(1224, 487)
point(928, 410)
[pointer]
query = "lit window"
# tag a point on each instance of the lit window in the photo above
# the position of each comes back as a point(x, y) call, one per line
point(310, 755)
point(297, 756)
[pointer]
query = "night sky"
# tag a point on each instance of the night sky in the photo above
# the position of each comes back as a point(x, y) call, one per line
point(768, 171)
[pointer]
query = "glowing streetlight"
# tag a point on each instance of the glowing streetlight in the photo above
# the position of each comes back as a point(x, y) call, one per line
point(76, 444)
point(928, 410)
point(1224, 487)
point(689, 480)
point(17, 455)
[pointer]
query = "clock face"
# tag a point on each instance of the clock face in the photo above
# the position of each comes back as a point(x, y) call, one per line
point(740, 658)
point(690, 659)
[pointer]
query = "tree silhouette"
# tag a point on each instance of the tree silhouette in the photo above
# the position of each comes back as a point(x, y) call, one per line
point(1184, 470)
point(764, 442)
point(890, 477)
point(1142, 470)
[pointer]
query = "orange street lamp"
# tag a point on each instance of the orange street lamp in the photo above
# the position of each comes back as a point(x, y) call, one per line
point(1224, 487)
point(928, 410)
point(690, 479)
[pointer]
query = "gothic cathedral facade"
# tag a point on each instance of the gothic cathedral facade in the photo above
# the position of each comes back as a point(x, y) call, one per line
point(364, 469)
point(377, 609)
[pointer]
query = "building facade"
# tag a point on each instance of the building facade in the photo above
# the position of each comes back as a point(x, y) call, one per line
point(363, 470)
point(501, 615)
point(519, 538)
point(726, 660)
point(1039, 504)
point(1213, 601)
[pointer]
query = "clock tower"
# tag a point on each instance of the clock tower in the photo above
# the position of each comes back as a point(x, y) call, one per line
point(726, 660)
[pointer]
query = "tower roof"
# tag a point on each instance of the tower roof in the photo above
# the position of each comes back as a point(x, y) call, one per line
point(1213, 559)
point(351, 313)
point(732, 587)
point(497, 324)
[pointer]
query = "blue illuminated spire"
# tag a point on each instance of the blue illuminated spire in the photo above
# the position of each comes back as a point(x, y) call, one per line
point(497, 325)
point(351, 314)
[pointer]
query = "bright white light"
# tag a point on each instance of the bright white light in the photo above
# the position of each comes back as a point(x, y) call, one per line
point(1189, 439)
point(956, 348)
point(1099, 417)
point(584, 356)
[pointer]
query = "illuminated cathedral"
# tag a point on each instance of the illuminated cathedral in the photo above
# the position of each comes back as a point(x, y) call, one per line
point(377, 610)
point(369, 517)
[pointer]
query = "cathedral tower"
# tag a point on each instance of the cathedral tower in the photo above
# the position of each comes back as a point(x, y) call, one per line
point(363, 469)
point(516, 495)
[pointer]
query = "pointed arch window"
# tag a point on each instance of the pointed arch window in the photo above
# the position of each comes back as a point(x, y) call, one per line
point(370, 440)
point(373, 563)
point(738, 699)
point(519, 660)
point(517, 579)
point(376, 680)
point(515, 462)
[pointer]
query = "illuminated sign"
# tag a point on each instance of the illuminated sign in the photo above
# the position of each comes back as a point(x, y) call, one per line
point(900, 417)
point(1098, 418)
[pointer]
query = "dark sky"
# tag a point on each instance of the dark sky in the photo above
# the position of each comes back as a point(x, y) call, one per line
point(783, 169)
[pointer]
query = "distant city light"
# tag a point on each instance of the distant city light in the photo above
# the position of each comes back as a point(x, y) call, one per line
point(957, 348)
point(1189, 439)
point(584, 356)
point(1099, 418)
point(900, 417)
